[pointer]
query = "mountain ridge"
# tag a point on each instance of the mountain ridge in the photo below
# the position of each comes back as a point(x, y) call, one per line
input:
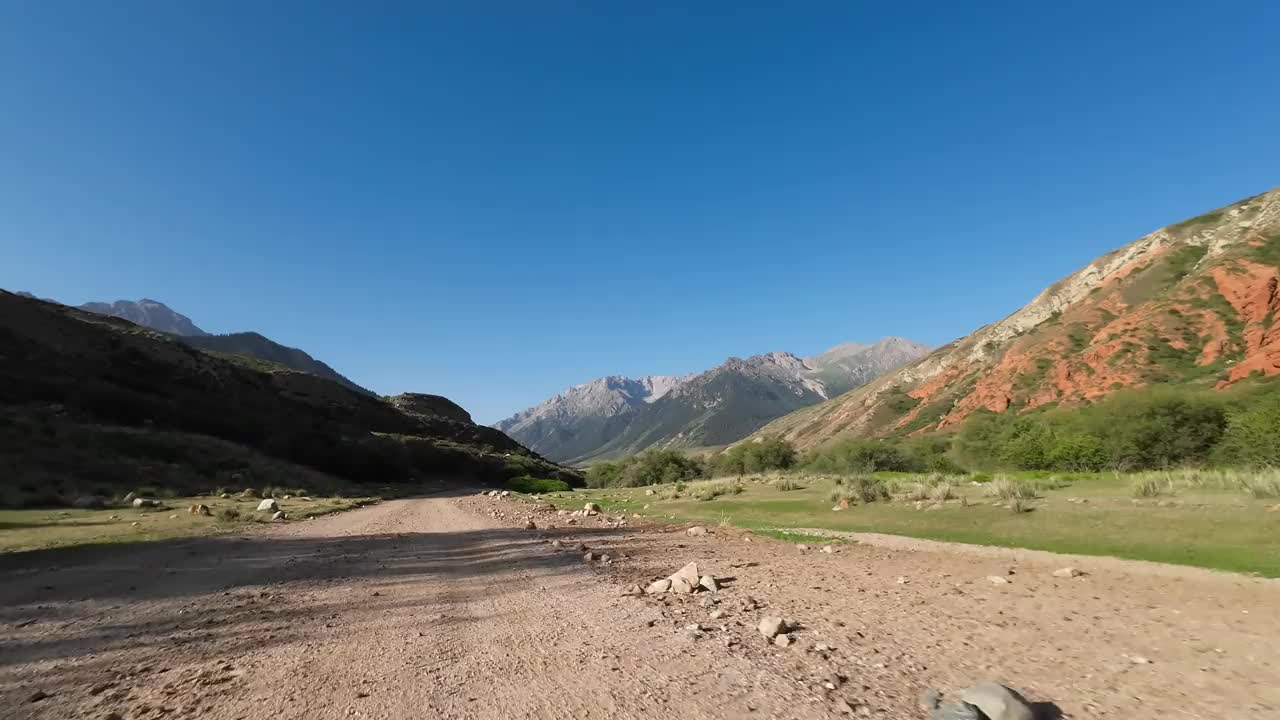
point(1195, 302)
point(616, 415)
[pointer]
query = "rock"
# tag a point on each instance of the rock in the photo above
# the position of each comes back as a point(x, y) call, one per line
point(582, 547)
point(591, 508)
point(956, 711)
point(783, 640)
point(286, 497)
point(129, 497)
point(902, 580)
point(590, 513)
point(1067, 572)
point(225, 496)
point(201, 509)
point(135, 524)
point(828, 549)
point(279, 515)
point(649, 491)
point(715, 614)
point(633, 591)
point(696, 531)
point(1139, 660)
point(770, 626)
point(802, 547)
point(997, 702)
point(708, 582)
point(249, 493)
point(145, 503)
point(680, 585)
point(930, 699)
point(506, 493)
point(997, 580)
point(268, 505)
point(588, 556)
point(657, 587)
point(606, 558)
point(89, 502)
point(689, 573)
point(557, 544)
point(531, 525)
point(173, 517)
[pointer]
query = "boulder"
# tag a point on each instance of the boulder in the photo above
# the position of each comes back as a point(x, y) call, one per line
point(657, 587)
point(689, 573)
point(681, 585)
point(268, 505)
point(531, 525)
point(709, 583)
point(200, 509)
point(591, 508)
point(771, 626)
point(998, 702)
point(279, 515)
point(588, 556)
point(249, 493)
point(696, 531)
point(145, 503)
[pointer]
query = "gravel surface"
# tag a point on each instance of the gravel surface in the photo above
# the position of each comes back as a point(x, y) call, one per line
point(448, 607)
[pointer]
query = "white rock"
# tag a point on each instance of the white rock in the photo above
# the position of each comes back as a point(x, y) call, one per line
point(591, 507)
point(802, 547)
point(1067, 572)
point(828, 549)
point(689, 573)
point(279, 515)
point(696, 531)
point(268, 505)
point(709, 583)
point(657, 587)
point(997, 580)
point(681, 585)
point(998, 702)
point(782, 640)
point(770, 626)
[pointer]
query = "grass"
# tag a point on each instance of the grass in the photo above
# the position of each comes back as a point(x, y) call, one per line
point(33, 529)
point(712, 489)
point(1218, 521)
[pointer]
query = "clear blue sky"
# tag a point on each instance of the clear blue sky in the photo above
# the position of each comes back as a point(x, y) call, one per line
point(493, 202)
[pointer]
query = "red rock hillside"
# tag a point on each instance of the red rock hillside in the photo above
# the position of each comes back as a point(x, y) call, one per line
point(1195, 302)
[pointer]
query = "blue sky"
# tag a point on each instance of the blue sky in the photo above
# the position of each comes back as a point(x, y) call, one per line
point(493, 201)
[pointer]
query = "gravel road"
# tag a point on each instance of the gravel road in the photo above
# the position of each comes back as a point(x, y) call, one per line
point(447, 607)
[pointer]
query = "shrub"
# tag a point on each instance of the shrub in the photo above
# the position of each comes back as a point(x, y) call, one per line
point(786, 484)
point(229, 513)
point(1007, 488)
point(758, 456)
point(713, 489)
point(651, 467)
point(1149, 485)
point(860, 489)
point(531, 485)
point(859, 456)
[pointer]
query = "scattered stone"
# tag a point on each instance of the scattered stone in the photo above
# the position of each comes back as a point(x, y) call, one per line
point(1139, 660)
point(557, 544)
point(997, 580)
point(1067, 572)
point(828, 549)
point(782, 640)
point(649, 491)
point(268, 505)
point(279, 515)
point(225, 496)
point(145, 502)
point(680, 585)
point(606, 558)
point(135, 523)
point(802, 547)
point(997, 702)
point(902, 580)
point(716, 614)
point(130, 497)
point(249, 493)
point(531, 525)
point(173, 517)
point(708, 582)
point(591, 508)
point(582, 547)
point(201, 509)
point(37, 696)
point(771, 626)
point(696, 531)
point(588, 556)
point(633, 591)
point(506, 493)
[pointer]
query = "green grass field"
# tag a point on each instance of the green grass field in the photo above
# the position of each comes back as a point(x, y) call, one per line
point(33, 529)
point(1187, 521)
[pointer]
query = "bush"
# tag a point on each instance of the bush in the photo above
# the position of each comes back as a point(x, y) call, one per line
point(1252, 436)
point(859, 456)
point(651, 467)
point(1149, 485)
point(713, 489)
point(229, 514)
point(1007, 488)
point(786, 484)
point(532, 485)
point(860, 489)
point(759, 456)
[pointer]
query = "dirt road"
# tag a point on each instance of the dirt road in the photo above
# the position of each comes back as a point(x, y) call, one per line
point(447, 607)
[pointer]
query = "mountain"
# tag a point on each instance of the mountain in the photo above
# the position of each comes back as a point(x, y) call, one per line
point(146, 397)
point(616, 416)
point(158, 316)
point(585, 417)
point(148, 313)
point(253, 345)
point(1195, 303)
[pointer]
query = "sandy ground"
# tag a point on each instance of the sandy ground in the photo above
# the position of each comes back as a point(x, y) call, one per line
point(447, 607)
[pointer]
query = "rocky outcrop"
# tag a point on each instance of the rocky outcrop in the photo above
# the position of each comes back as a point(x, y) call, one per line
point(147, 313)
point(1193, 300)
point(430, 405)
